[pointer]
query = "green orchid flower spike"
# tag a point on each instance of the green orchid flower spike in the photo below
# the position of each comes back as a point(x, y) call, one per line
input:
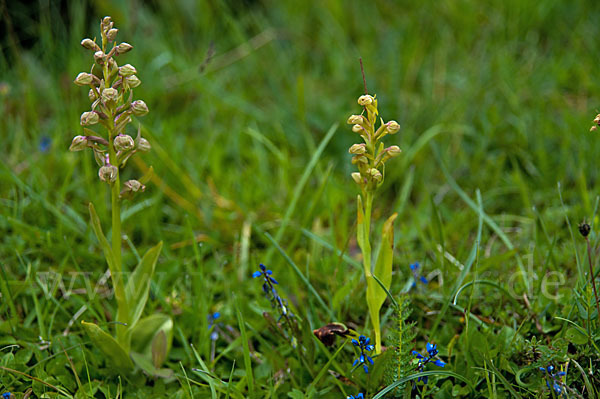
point(370, 158)
point(112, 108)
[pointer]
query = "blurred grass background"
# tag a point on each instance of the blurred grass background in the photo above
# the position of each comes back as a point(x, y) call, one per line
point(498, 94)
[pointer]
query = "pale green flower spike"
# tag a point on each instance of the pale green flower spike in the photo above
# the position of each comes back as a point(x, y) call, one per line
point(370, 158)
point(111, 110)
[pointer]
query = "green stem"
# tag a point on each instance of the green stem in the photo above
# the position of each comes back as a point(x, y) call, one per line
point(367, 233)
point(117, 274)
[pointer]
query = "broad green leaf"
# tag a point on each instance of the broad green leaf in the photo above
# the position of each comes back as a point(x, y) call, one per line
point(383, 270)
point(116, 357)
point(159, 349)
point(106, 248)
point(383, 267)
point(146, 365)
point(138, 284)
point(360, 223)
point(575, 337)
point(146, 329)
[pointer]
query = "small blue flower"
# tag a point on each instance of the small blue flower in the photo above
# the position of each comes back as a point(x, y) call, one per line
point(423, 360)
point(358, 396)
point(44, 145)
point(414, 267)
point(268, 288)
point(557, 384)
point(211, 318)
point(363, 345)
point(7, 395)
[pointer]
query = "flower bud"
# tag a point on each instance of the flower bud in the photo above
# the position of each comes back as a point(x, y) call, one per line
point(355, 119)
point(106, 21)
point(122, 48)
point(393, 151)
point(112, 34)
point(139, 108)
point(92, 95)
point(132, 81)
point(127, 70)
point(143, 145)
point(358, 149)
point(357, 177)
point(79, 143)
point(593, 128)
point(365, 100)
point(357, 129)
point(90, 44)
point(83, 79)
point(108, 173)
point(359, 159)
point(130, 187)
point(597, 119)
point(89, 118)
point(110, 95)
point(375, 174)
point(392, 127)
point(123, 142)
point(99, 57)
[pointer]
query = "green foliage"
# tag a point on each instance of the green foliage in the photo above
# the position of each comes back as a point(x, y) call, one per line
point(493, 97)
point(402, 335)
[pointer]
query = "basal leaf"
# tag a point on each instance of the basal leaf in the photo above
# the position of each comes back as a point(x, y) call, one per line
point(116, 357)
point(138, 284)
point(142, 334)
point(106, 248)
point(360, 223)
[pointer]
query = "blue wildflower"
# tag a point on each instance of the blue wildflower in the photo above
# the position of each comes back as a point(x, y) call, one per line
point(414, 267)
point(363, 345)
point(555, 378)
point(270, 291)
point(8, 395)
point(44, 146)
point(423, 360)
point(211, 318)
point(358, 396)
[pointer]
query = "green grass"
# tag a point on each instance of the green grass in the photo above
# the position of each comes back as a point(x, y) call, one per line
point(495, 100)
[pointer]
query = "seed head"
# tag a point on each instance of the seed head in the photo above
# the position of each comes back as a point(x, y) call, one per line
point(365, 100)
point(79, 143)
point(89, 118)
point(139, 108)
point(584, 229)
